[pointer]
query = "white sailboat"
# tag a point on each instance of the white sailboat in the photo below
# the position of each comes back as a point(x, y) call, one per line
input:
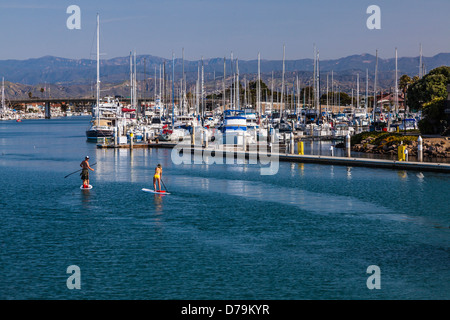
point(107, 113)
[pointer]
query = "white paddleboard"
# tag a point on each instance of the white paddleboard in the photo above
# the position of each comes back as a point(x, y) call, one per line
point(88, 188)
point(155, 192)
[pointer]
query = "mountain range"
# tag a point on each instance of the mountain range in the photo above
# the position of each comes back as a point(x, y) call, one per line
point(76, 77)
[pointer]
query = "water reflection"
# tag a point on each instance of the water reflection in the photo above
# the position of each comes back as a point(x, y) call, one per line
point(158, 201)
point(402, 174)
point(420, 176)
point(349, 172)
point(301, 166)
point(292, 166)
point(85, 199)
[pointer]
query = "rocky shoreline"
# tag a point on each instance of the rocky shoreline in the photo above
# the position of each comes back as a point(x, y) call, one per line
point(432, 147)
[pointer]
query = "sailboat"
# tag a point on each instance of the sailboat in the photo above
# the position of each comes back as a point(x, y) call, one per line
point(3, 111)
point(104, 117)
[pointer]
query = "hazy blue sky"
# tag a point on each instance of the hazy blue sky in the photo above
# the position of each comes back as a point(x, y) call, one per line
point(213, 28)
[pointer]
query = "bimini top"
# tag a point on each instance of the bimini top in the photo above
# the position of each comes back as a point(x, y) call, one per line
point(233, 113)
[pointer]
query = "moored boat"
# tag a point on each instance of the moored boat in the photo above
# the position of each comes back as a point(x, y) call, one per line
point(234, 126)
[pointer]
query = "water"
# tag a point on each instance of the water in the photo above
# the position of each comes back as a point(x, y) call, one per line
point(226, 232)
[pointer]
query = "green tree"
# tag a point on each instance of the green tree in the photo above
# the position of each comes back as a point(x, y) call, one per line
point(428, 95)
point(432, 86)
point(404, 83)
point(341, 97)
point(433, 117)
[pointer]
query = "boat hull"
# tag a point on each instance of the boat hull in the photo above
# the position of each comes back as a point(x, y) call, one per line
point(97, 135)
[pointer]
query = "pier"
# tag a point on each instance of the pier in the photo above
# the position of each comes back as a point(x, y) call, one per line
point(318, 159)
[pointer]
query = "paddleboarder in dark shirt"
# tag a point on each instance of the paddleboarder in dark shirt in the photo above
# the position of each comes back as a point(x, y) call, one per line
point(85, 172)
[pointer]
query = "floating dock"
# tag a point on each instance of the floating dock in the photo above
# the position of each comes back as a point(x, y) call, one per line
point(319, 159)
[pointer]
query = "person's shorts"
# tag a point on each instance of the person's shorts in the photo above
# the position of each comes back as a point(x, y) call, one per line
point(84, 174)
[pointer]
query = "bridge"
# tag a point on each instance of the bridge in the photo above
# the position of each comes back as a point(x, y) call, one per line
point(79, 104)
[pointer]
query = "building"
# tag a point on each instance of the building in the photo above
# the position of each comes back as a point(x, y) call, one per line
point(387, 100)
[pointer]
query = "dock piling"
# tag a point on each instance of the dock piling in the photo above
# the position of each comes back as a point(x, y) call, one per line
point(291, 148)
point(115, 136)
point(420, 149)
point(193, 136)
point(348, 145)
point(300, 148)
point(131, 140)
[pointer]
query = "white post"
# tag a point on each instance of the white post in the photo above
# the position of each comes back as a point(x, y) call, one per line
point(291, 148)
point(420, 149)
point(347, 145)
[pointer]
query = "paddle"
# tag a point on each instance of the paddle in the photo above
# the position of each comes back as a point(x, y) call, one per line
point(77, 171)
point(164, 185)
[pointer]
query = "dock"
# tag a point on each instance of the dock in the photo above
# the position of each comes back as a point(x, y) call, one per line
point(318, 159)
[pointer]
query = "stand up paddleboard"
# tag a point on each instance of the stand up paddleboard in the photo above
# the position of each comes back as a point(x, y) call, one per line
point(88, 188)
point(155, 192)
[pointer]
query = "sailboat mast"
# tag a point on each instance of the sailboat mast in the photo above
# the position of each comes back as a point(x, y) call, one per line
point(367, 91)
point(163, 94)
point(197, 92)
point(375, 88)
point(160, 85)
point(237, 86)
point(131, 79)
point(224, 76)
point(327, 93)
point(318, 88)
point(298, 98)
point(155, 84)
point(245, 91)
point(282, 86)
point(314, 77)
point(181, 104)
point(173, 89)
point(98, 68)
point(3, 95)
point(203, 93)
point(420, 63)
point(232, 79)
point(271, 89)
point(357, 92)
point(396, 82)
point(135, 106)
point(259, 84)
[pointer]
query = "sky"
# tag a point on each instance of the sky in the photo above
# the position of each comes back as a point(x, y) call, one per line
point(214, 29)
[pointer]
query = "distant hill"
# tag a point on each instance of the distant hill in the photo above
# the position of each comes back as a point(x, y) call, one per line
point(77, 76)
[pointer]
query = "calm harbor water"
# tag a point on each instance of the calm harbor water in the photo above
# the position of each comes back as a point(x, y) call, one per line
point(226, 231)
